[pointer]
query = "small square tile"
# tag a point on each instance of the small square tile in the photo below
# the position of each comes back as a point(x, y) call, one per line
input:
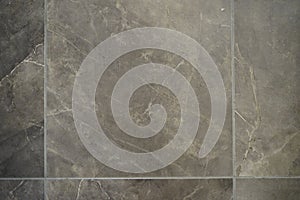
point(75, 28)
point(268, 189)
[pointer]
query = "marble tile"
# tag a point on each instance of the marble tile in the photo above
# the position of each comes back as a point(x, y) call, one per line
point(21, 89)
point(268, 189)
point(76, 27)
point(267, 88)
point(140, 189)
point(267, 119)
point(21, 190)
point(21, 30)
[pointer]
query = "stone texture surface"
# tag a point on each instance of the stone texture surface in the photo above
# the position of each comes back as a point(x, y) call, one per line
point(21, 30)
point(268, 189)
point(267, 88)
point(21, 190)
point(267, 92)
point(76, 27)
point(140, 189)
point(21, 89)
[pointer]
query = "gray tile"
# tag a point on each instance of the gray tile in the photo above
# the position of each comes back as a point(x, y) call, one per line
point(76, 27)
point(22, 153)
point(268, 189)
point(267, 88)
point(22, 190)
point(140, 189)
point(21, 30)
point(21, 90)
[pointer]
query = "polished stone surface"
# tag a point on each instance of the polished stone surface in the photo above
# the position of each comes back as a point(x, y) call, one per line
point(21, 30)
point(21, 190)
point(268, 189)
point(266, 106)
point(21, 89)
point(76, 27)
point(140, 189)
point(267, 88)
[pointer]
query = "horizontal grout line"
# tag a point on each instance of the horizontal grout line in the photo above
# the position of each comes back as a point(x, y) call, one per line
point(23, 178)
point(267, 177)
point(147, 178)
point(115, 178)
point(140, 178)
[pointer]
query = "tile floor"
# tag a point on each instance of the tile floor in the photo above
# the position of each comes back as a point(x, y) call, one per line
point(254, 46)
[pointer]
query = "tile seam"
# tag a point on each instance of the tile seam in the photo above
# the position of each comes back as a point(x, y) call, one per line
point(140, 178)
point(45, 100)
point(232, 39)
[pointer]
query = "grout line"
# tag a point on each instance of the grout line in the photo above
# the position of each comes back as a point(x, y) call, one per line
point(23, 178)
point(169, 178)
point(147, 178)
point(232, 41)
point(45, 99)
point(140, 178)
point(115, 178)
point(268, 177)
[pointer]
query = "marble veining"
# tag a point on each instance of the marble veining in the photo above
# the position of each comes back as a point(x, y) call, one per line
point(23, 189)
point(262, 98)
point(21, 89)
point(267, 88)
point(72, 35)
point(141, 189)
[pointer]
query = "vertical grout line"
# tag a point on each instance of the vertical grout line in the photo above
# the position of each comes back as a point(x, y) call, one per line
point(233, 101)
point(45, 99)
